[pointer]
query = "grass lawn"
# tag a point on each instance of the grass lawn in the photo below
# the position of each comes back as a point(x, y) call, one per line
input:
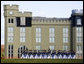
point(41, 60)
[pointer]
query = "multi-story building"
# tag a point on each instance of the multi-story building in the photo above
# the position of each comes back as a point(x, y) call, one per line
point(24, 32)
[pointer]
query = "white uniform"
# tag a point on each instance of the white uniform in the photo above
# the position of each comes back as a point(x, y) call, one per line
point(60, 56)
point(74, 57)
point(27, 56)
point(54, 57)
point(36, 56)
point(40, 56)
point(64, 57)
point(45, 56)
point(31, 56)
point(49, 57)
point(70, 57)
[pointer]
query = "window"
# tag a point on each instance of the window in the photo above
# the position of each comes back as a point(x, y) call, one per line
point(65, 47)
point(22, 34)
point(78, 34)
point(28, 21)
point(21, 50)
point(51, 47)
point(22, 29)
point(38, 34)
point(37, 47)
point(10, 51)
point(18, 20)
point(10, 20)
point(10, 34)
point(22, 21)
point(78, 21)
point(51, 35)
point(79, 49)
point(65, 34)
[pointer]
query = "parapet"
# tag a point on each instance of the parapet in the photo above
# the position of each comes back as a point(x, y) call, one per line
point(9, 7)
point(50, 19)
point(44, 20)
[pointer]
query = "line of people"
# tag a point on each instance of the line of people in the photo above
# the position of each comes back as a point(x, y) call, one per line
point(49, 55)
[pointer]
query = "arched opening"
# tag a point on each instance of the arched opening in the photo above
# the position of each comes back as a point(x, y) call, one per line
point(21, 50)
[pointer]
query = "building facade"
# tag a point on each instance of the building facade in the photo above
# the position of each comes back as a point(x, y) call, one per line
point(24, 32)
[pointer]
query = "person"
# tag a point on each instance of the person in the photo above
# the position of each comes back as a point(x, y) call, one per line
point(67, 54)
point(45, 56)
point(60, 56)
point(34, 55)
point(24, 56)
point(52, 55)
point(64, 55)
point(31, 56)
point(55, 56)
point(27, 56)
point(69, 57)
point(40, 56)
point(49, 56)
point(73, 55)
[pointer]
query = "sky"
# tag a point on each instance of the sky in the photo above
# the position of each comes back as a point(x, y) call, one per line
point(58, 9)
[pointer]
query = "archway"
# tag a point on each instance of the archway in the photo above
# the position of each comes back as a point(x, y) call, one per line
point(21, 50)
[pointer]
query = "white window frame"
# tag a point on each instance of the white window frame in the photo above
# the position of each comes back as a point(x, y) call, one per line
point(79, 49)
point(51, 34)
point(38, 35)
point(38, 47)
point(65, 35)
point(65, 47)
point(78, 34)
point(10, 34)
point(78, 21)
point(22, 34)
point(10, 50)
point(22, 21)
point(52, 47)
